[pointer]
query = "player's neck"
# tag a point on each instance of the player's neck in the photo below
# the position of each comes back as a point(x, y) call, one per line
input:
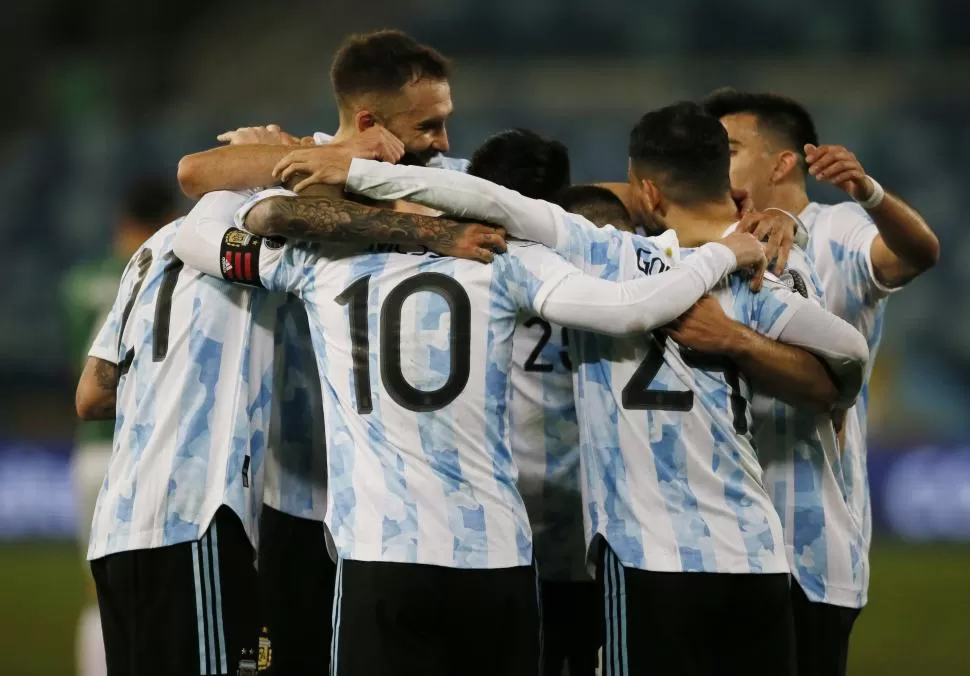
point(345, 132)
point(701, 224)
point(788, 196)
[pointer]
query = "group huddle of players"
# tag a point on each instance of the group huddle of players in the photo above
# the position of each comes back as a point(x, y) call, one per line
point(472, 419)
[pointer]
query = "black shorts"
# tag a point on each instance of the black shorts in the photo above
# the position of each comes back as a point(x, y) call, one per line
point(296, 578)
point(401, 619)
point(571, 621)
point(701, 624)
point(821, 635)
point(185, 609)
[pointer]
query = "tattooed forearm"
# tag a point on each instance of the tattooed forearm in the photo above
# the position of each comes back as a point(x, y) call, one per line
point(97, 390)
point(106, 375)
point(326, 219)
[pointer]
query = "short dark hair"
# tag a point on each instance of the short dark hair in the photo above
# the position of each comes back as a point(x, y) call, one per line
point(383, 62)
point(685, 151)
point(597, 204)
point(785, 119)
point(522, 160)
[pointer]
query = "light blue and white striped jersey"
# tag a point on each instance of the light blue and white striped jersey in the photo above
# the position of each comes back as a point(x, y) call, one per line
point(414, 351)
point(696, 501)
point(545, 446)
point(828, 506)
point(192, 405)
point(803, 474)
point(671, 479)
point(296, 459)
point(670, 482)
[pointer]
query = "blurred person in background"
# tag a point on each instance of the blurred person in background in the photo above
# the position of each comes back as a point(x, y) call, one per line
point(862, 250)
point(88, 291)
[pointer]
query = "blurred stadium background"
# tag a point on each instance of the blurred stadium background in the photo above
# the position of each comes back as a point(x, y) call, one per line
point(101, 93)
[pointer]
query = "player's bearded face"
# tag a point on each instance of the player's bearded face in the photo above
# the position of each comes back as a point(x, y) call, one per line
point(422, 110)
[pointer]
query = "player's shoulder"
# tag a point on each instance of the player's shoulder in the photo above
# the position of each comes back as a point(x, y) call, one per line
point(156, 246)
point(836, 215)
point(450, 163)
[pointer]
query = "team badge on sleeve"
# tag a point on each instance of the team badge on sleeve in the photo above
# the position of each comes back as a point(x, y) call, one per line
point(239, 256)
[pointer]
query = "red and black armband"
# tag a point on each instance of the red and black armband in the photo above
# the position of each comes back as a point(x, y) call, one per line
point(239, 254)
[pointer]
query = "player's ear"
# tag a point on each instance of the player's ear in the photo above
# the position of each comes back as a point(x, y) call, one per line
point(364, 120)
point(786, 162)
point(653, 198)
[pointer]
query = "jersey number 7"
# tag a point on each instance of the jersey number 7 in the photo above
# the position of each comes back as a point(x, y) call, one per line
point(163, 307)
point(399, 389)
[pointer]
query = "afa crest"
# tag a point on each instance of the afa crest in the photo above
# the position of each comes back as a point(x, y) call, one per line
point(265, 651)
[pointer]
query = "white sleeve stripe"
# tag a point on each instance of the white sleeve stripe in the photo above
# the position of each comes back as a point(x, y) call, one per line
point(104, 354)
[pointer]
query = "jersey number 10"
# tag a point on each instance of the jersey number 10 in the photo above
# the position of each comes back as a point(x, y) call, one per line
point(399, 389)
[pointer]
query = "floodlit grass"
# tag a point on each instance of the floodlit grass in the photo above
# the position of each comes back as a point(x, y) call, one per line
point(917, 621)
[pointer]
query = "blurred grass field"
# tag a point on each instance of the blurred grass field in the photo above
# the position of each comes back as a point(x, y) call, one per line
point(917, 621)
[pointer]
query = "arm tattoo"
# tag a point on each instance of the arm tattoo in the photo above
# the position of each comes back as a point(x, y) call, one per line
point(106, 375)
point(325, 219)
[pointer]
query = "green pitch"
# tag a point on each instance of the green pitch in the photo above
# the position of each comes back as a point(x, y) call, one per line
point(916, 622)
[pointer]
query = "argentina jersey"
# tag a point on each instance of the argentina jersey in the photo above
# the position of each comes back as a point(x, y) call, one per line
point(670, 477)
point(802, 462)
point(296, 460)
point(545, 446)
point(193, 402)
point(694, 502)
point(415, 352)
point(839, 244)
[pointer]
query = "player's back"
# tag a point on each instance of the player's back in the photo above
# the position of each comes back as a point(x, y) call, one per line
point(416, 351)
point(195, 356)
point(674, 483)
point(545, 445)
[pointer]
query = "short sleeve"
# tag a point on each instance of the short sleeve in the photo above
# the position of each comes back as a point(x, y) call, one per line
point(108, 338)
point(850, 231)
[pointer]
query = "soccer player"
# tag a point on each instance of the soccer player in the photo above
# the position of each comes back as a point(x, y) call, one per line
point(598, 205)
point(544, 435)
point(863, 250)
point(435, 553)
point(687, 542)
point(187, 363)
point(88, 291)
point(382, 78)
